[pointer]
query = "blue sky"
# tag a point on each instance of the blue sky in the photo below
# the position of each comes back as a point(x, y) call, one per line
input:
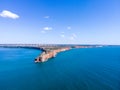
point(60, 21)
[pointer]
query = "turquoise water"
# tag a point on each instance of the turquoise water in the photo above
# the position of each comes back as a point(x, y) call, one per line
point(76, 69)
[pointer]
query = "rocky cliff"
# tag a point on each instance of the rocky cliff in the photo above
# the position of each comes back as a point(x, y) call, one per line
point(47, 54)
point(52, 51)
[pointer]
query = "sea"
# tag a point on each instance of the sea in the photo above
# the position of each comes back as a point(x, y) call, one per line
point(75, 69)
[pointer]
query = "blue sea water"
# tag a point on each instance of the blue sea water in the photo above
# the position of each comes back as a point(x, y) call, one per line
point(76, 69)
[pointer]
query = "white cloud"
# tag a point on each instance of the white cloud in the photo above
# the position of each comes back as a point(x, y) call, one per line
point(47, 28)
point(62, 35)
point(68, 27)
point(46, 17)
point(8, 14)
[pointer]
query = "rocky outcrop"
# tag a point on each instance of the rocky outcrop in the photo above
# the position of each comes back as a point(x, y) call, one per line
point(52, 51)
point(47, 54)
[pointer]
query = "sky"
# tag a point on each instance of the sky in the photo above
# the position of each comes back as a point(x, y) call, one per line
point(60, 21)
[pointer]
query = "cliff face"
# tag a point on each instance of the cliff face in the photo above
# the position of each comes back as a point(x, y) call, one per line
point(49, 54)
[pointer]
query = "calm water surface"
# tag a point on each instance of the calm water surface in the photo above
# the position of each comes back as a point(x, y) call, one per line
point(76, 69)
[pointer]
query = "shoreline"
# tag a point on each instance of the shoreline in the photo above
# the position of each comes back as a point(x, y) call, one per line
point(47, 54)
point(51, 52)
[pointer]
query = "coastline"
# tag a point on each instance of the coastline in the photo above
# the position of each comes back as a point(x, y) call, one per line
point(47, 54)
point(51, 52)
point(48, 50)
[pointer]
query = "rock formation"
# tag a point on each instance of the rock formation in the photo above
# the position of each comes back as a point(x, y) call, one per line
point(47, 54)
point(52, 51)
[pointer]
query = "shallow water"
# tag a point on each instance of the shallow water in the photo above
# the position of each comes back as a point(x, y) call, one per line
point(76, 69)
